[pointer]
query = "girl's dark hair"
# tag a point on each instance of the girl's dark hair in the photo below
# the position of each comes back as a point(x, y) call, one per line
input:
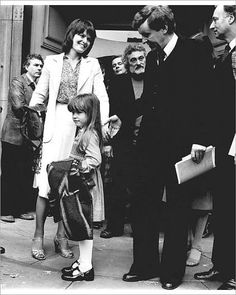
point(90, 104)
point(78, 26)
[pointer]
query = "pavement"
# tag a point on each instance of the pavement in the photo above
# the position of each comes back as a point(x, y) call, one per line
point(22, 274)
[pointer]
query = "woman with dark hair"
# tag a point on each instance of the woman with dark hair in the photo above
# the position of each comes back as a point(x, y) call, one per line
point(64, 76)
point(78, 26)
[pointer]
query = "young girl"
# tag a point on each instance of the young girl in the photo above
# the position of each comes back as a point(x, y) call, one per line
point(86, 149)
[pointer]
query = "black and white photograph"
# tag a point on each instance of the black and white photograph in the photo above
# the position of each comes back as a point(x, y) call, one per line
point(118, 147)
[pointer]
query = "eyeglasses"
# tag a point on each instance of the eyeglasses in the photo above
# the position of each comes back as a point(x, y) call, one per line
point(133, 60)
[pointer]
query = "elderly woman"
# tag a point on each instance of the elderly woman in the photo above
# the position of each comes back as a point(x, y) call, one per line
point(64, 76)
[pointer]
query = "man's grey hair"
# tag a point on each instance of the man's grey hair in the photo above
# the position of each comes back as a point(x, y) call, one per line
point(132, 48)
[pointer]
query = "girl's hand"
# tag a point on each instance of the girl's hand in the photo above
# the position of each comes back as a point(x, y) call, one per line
point(107, 151)
point(74, 170)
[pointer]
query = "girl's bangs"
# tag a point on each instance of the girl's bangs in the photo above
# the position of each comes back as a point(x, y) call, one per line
point(76, 105)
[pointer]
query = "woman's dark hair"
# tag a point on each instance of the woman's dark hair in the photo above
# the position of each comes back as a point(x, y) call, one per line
point(78, 26)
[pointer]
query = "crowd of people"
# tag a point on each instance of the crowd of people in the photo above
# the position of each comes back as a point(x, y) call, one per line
point(156, 108)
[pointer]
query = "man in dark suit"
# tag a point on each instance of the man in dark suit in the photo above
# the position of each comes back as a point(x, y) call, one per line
point(123, 92)
point(174, 107)
point(223, 255)
point(17, 157)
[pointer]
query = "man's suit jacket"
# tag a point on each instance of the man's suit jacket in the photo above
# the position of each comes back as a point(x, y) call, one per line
point(122, 103)
point(175, 104)
point(20, 93)
point(223, 127)
point(90, 81)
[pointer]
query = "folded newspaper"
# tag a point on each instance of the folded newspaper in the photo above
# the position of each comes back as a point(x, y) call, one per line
point(186, 169)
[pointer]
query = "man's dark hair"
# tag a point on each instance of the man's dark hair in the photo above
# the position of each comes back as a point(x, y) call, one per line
point(230, 9)
point(31, 56)
point(115, 56)
point(78, 26)
point(158, 17)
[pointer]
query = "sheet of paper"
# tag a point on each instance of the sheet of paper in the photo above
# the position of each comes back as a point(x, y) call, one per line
point(186, 169)
point(232, 150)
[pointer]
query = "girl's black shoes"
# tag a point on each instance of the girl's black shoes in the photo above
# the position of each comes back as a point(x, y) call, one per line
point(77, 275)
point(70, 268)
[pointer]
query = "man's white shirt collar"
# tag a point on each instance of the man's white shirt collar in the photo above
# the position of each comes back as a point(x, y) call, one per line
point(232, 44)
point(29, 77)
point(170, 45)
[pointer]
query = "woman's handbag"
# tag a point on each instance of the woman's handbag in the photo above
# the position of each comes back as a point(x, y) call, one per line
point(70, 200)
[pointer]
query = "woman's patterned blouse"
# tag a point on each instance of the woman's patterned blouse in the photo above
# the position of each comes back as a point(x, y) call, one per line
point(69, 81)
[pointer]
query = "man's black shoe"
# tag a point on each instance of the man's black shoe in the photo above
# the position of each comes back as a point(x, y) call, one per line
point(7, 218)
point(107, 234)
point(132, 277)
point(170, 285)
point(228, 285)
point(211, 275)
point(97, 224)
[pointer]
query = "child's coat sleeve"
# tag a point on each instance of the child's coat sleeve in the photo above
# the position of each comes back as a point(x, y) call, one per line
point(92, 158)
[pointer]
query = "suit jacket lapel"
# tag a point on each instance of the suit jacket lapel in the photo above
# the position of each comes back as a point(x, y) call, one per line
point(83, 73)
point(57, 71)
point(175, 50)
